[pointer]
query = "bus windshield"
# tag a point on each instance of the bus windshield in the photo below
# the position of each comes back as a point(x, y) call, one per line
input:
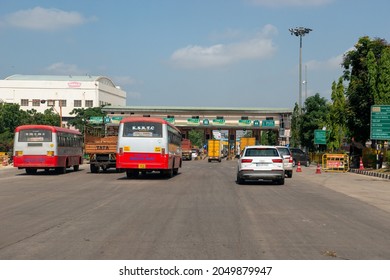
point(142, 129)
point(35, 135)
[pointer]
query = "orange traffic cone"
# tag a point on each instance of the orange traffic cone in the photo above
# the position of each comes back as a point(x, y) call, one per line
point(361, 167)
point(299, 167)
point(318, 170)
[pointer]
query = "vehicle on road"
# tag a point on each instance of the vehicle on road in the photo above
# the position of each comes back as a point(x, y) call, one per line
point(300, 156)
point(47, 147)
point(148, 144)
point(260, 163)
point(214, 150)
point(100, 145)
point(186, 150)
point(287, 160)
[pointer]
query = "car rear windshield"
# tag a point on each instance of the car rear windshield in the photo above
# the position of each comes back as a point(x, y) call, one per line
point(284, 151)
point(261, 152)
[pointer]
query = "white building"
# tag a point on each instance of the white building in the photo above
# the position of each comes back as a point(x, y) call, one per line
point(63, 93)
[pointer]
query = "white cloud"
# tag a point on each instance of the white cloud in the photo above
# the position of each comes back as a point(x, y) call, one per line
point(285, 3)
point(329, 64)
point(61, 68)
point(258, 47)
point(40, 18)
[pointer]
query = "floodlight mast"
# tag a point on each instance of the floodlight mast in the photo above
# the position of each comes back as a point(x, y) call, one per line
point(300, 32)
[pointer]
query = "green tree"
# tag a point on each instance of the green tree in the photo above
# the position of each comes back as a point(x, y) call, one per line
point(295, 126)
point(336, 121)
point(383, 92)
point(269, 137)
point(359, 70)
point(314, 116)
point(196, 137)
point(49, 117)
point(82, 116)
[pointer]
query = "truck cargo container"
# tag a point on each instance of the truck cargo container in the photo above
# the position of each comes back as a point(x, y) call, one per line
point(214, 150)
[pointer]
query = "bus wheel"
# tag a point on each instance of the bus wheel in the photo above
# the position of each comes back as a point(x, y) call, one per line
point(61, 170)
point(175, 171)
point(169, 173)
point(76, 167)
point(31, 171)
point(131, 173)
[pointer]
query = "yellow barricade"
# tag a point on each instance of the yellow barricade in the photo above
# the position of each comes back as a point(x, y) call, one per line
point(335, 162)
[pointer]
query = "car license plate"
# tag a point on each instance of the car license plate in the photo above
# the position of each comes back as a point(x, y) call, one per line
point(261, 164)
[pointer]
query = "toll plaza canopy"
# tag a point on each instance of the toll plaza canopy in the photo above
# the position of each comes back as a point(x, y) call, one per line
point(212, 118)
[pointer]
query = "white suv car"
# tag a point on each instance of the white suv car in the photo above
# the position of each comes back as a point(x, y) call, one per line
point(260, 162)
point(287, 160)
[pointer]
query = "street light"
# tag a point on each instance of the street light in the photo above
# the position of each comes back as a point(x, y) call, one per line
point(300, 32)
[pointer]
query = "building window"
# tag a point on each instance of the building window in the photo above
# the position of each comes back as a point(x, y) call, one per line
point(88, 103)
point(77, 103)
point(36, 102)
point(50, 103)
point(63, 103)
point(24, 102)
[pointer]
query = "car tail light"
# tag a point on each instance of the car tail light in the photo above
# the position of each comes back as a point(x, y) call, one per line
point(277, 160)
point(246, 160)
point(290, 160)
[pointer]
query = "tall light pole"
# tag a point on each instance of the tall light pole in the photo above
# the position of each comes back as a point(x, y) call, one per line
point(300, 32)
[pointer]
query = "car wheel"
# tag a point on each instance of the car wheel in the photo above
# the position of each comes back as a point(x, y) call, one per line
point(281, 181)
point(239, 180)
point(289, 174)
point(294, 163)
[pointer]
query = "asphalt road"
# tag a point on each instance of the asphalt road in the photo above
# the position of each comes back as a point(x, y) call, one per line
point(199, 214)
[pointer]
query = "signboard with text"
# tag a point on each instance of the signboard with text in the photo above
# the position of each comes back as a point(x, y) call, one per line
point(380, 122)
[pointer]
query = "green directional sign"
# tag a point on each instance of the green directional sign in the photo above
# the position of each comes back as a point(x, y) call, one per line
point(320, 137)
point(380, 122)
point(268, 123)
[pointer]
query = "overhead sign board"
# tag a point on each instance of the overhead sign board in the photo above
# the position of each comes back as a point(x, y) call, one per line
point(380, 122)
point(320, 137)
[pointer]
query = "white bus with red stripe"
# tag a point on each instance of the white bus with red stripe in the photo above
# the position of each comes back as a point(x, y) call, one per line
point(148, 144)
point(46, 147)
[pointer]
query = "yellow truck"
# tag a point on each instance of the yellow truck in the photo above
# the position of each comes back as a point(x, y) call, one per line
point(214, 150)
point(247, 141)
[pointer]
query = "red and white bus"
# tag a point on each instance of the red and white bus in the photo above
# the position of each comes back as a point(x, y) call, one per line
point(47, 147)
point(148, 144)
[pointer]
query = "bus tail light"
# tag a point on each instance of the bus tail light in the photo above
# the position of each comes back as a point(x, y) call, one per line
point(163, 151)
point(50, 153)
point(120, 150)
point(18, 153)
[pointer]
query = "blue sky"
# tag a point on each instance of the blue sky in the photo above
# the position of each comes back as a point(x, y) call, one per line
point(219, 53)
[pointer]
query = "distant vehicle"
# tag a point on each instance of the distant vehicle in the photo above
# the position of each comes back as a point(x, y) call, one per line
point(100, 145)
point(148, 144)
point(186, 149)
point(214, 150)
point(194, 153)
point(47, 147)
point(247, 141)
point(260, 163)
point(300, 156)
point(287, 160)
